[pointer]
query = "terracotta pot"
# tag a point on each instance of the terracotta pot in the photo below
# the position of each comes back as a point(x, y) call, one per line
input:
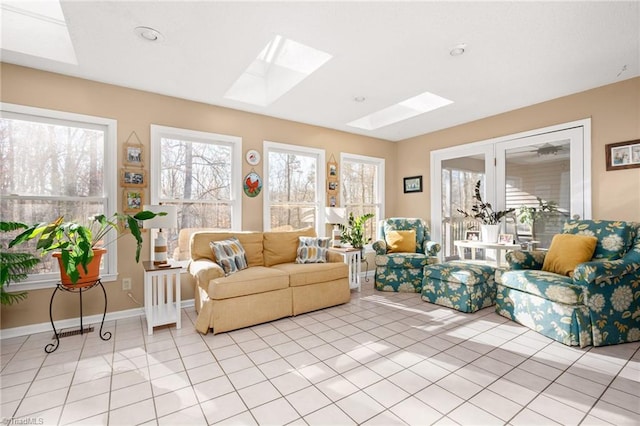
point(87, 279)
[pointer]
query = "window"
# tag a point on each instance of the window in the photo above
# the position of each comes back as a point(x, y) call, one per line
point(294, 187)
point(199, 173)
point(362, 183)
point(56, 164)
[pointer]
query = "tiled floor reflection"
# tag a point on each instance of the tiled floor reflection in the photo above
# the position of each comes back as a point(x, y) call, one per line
point(384, 358)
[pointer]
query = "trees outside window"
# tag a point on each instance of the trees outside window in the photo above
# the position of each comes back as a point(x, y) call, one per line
point(198, 172)
point(294, 193)
point(56, 164)
point(362, 188)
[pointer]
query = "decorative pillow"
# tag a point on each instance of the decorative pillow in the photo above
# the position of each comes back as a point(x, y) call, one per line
point(567, 251)
point(230, 255)
point(401, 241)
point(312, 250)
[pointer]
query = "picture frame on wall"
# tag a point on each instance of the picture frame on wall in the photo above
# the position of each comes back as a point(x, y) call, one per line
point(623, 155)
point(133, 155)
point(132, 200)
point(133, 177)
point(413, 184)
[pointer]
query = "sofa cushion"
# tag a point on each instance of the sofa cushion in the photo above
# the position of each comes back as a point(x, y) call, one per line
point(313, 273)
point(405, 224)
point(567, 251)
point(252, 280)
point(403, 260)
point(401, 241)
point(614, 237)
point(230, 255)
point(282, 247)
point(251, 241)
point(548, 285)
point(312, 250)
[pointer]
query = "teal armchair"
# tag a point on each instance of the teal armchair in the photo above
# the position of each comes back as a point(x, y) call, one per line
point(599, 305)
point(403, 271)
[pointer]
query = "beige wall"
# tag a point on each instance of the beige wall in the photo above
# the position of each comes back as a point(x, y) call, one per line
point(615, 117)
point(137, 110)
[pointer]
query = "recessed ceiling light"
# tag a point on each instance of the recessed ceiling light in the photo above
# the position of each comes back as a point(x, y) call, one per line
point(458, 49)
point(359, 98)
point(148, 34)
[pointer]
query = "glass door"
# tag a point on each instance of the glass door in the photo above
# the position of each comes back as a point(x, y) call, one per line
point(542, 183)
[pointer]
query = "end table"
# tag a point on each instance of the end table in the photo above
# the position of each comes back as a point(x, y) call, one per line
point(160, 307)
point(352, 257)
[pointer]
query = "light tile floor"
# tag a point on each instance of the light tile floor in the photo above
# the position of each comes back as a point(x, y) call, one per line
point(382, 359)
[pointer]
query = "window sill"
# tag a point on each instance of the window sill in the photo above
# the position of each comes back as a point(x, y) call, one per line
point(44, 284)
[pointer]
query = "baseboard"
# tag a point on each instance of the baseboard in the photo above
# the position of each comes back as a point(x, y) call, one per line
point(75, 322)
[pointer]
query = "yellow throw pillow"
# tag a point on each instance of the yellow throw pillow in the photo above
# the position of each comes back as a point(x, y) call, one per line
point(401, 241)
point(567, 251)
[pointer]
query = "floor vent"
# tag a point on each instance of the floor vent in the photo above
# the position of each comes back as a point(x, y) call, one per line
point(73, 332)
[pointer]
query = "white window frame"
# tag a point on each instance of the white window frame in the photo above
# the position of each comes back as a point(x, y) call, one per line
point(110, 181)
point(235, 142)
point(379, 163)
point(319, 154)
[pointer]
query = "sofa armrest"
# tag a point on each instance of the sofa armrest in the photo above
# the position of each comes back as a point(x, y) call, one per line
point(431, 248)
point(589, 274)
point(520, 259)
point(205, 270)
point(380, 247)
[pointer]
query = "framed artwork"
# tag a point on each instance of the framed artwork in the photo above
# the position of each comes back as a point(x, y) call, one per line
point(332, 186)
point(623, 155)
point(413, 184)
point(332, 170)
point(133, 200)
point(505, 239)
point(472, 235)
point(136, 178)
point(133, 155)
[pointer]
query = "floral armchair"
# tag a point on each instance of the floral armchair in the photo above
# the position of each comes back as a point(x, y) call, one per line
point(599, 305)
point(403, 271)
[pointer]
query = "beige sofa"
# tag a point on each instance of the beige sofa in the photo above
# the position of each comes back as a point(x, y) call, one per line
point(272, 287)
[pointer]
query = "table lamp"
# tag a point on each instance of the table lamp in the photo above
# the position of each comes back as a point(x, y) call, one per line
point(169, 221)
point(336, 216)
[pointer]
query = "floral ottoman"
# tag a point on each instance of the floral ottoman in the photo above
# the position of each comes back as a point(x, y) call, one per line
point(466, 287)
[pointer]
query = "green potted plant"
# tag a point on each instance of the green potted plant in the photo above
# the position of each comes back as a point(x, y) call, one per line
point(535, 216)
point(14, 267)
point(488, 218)
point(353, 232)
point(77, 247)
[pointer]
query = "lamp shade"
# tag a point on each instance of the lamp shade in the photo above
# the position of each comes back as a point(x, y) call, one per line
point(336, 215)
point(169, 221)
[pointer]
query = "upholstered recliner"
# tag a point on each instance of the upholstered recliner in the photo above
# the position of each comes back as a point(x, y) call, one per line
point(399, 268)
point(599, 305)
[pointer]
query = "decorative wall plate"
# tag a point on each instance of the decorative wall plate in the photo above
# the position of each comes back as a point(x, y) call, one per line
point(252, 184)
point(253, 157)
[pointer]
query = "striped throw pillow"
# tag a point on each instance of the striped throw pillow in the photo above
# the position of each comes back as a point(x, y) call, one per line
point(312, 250)
point(230, 255)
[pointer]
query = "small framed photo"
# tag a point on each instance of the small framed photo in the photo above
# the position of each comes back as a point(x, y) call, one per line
point(332, 169)
point(133, 155)
point(623, 155)
point(472, 235)
point(505, 239)
point(333, 186)
point(136, 178)
point(413, 184)
point(133, 200)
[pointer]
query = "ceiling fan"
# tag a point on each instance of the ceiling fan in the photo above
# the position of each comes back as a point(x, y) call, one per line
point(548, 149)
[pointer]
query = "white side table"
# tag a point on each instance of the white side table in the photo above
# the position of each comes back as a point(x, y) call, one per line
point(474, 245)
point(353, 258)
point(160, 306)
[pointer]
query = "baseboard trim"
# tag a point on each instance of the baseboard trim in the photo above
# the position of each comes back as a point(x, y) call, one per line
point(75, 322)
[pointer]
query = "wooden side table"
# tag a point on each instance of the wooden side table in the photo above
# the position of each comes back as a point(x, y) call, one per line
point(353, 258)
point(160, 307)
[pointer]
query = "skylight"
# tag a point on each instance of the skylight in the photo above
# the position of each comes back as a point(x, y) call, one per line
point(36, 28)
point(404, 110)
point(280, 66)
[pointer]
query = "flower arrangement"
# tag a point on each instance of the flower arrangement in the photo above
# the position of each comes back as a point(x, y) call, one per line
point(483, 212)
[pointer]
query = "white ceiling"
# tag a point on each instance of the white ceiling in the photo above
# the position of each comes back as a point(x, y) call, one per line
point(518, 53)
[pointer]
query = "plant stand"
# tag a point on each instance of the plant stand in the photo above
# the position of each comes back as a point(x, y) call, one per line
point(51, 347)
